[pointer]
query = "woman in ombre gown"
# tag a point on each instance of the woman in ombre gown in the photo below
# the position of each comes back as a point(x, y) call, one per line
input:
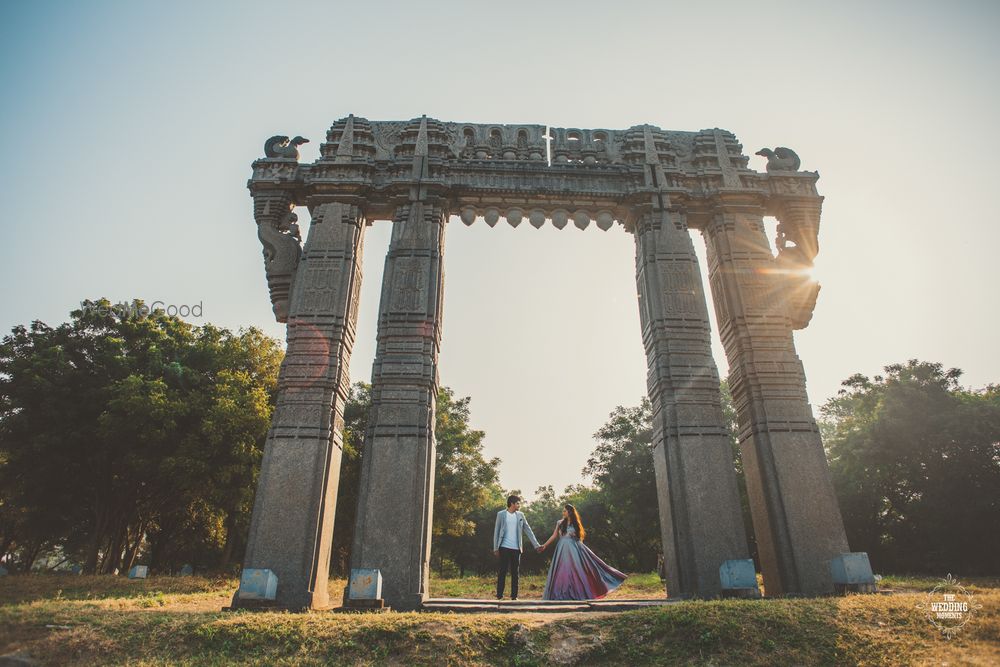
point(576, 573)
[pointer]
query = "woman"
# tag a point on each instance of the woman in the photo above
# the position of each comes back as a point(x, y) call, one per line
point(576, 573)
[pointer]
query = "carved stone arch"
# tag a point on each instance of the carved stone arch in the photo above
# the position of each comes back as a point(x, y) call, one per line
point(495, 138)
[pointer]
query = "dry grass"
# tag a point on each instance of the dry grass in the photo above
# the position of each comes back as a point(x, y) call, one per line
point(167, 620)
point(637, 586)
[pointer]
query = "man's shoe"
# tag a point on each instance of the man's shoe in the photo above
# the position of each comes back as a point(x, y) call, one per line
point(514, 598)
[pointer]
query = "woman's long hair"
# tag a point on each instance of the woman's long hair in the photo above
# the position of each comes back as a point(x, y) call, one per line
point(573, 520)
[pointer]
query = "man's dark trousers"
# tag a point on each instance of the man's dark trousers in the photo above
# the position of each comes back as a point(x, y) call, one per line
point(509, 558)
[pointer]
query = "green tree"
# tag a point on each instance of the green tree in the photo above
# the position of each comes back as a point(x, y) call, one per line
point(732, 426)
point(127, 432)
point(541, 512)
point(622, 469)
point(466, 483)
point(233, 379)
point(356, 413)
point(915, 459)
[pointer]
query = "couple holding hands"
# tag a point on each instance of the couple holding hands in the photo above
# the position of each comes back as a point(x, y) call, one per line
point(576, 573)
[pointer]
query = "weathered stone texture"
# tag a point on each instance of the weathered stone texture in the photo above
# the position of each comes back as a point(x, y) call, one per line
point(655, 183)
point(700, 515)
point(393, 527)
point(292, 525)
point(796, 518)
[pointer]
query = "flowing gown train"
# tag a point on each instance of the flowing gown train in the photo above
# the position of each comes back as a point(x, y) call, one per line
point(576, 573)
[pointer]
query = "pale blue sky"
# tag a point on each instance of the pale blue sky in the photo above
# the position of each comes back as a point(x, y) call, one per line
point(128, 130)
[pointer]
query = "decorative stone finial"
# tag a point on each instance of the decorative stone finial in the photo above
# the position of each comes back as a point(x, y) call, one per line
point(280, 146)
point(780, 159)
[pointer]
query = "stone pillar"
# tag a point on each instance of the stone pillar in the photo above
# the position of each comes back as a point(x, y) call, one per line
point(393, 527)
point(292, 525)
point(796, 518)
point(700, 515)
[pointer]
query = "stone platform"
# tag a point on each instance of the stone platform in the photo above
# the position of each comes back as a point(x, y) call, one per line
point(479, 606)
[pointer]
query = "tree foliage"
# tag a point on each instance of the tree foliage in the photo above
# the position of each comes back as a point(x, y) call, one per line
point(124, 432)
point(127, 435)
point(915, 459)
point(625, 495)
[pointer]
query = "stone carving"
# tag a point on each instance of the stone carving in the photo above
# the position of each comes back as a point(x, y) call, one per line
point(386, 138)
point(522, 140)
point(321, 286)
point(281, 146)
point(348, 140)
point(780, 159)
point(514, 215)
point(585, 147)
point(278, 232)
point(657, 185)
point(408, 289)
point(799, 290)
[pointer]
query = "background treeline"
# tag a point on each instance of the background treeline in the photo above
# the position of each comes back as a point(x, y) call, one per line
point(128, 437)
point(916, 466)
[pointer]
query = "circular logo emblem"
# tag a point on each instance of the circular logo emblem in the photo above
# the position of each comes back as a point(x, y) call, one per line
point(949, 606)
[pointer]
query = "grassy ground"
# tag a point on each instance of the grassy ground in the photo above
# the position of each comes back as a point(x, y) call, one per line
point(531, 586)
point(165, 620)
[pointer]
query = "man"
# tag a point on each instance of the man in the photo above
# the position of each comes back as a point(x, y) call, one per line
point(507, 544)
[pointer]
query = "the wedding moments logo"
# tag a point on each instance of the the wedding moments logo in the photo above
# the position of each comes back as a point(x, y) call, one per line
point(136, 309)
point(949, 606)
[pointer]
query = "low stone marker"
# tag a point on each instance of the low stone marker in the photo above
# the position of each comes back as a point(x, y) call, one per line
point(187, 571)
point(76, 569)
point(138, 572)
point(257, 584)
point(852, 573)
point(364, 590)
point(739, 579)
point(3, 571)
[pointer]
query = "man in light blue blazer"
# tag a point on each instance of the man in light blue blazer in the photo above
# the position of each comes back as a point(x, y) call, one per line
point(507, 544)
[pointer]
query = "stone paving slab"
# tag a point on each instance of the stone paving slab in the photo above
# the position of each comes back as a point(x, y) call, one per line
point(470, 605)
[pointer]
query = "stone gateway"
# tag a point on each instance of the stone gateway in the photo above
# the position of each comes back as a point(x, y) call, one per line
point(657, 185)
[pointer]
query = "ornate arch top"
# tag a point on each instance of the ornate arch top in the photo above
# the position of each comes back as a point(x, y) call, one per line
point(539, 173)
